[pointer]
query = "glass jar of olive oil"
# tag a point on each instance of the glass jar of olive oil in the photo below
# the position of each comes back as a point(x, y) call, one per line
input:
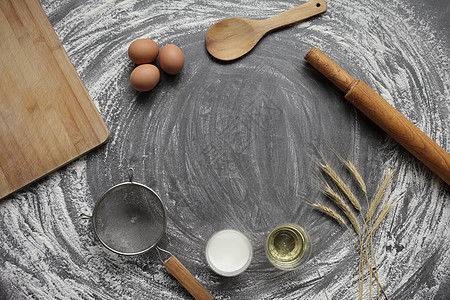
point(288, 246)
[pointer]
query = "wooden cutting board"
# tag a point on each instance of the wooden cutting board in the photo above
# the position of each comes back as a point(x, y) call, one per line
point(47, 118)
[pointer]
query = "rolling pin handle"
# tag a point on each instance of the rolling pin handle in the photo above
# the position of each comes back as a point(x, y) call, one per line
point(322, 63)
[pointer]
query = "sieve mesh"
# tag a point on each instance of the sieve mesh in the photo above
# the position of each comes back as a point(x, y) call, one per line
point(129, 218)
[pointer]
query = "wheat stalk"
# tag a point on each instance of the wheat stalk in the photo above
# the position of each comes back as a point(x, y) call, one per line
point(379, 195)
point(329, 212)
point(341, 185)
point(343, 206)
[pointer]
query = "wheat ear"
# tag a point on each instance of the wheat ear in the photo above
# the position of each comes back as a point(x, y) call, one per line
point(351, 167)
point(343, 206)
point(337, 217)
point(381, 216)
point(379, 195)
point(329, 212)
point(341, 185)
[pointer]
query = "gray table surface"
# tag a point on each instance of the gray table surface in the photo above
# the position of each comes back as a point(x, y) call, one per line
point(232, 145)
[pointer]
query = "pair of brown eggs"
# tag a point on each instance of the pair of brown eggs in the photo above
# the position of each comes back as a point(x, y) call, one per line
point(143, 52)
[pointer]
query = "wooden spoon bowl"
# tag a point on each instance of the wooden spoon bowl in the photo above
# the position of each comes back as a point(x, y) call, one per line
point(231, 38)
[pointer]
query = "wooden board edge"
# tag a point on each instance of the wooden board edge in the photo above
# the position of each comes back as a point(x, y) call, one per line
point(77, 86)
point(3, 197)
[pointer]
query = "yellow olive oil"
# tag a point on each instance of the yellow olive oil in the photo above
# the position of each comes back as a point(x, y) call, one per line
point(288, 246)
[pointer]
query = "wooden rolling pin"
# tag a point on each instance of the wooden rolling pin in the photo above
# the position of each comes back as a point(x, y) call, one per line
point(384, 115)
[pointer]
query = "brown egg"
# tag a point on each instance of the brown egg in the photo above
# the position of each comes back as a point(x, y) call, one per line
point(144, 77)
point(143, 51)
point(171, 59)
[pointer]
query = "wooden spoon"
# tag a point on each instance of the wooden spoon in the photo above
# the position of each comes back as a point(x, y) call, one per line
point(231, 38)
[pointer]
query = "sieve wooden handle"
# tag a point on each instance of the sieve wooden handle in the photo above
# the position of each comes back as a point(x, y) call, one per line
point(189, 282)
point(384, 115)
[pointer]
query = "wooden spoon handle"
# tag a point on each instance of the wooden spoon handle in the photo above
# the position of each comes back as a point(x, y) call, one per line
point(189, 282)
point(296, 14)
point(384, 115)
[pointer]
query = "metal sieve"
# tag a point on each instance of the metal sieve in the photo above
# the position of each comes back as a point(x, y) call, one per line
point(130, 219)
